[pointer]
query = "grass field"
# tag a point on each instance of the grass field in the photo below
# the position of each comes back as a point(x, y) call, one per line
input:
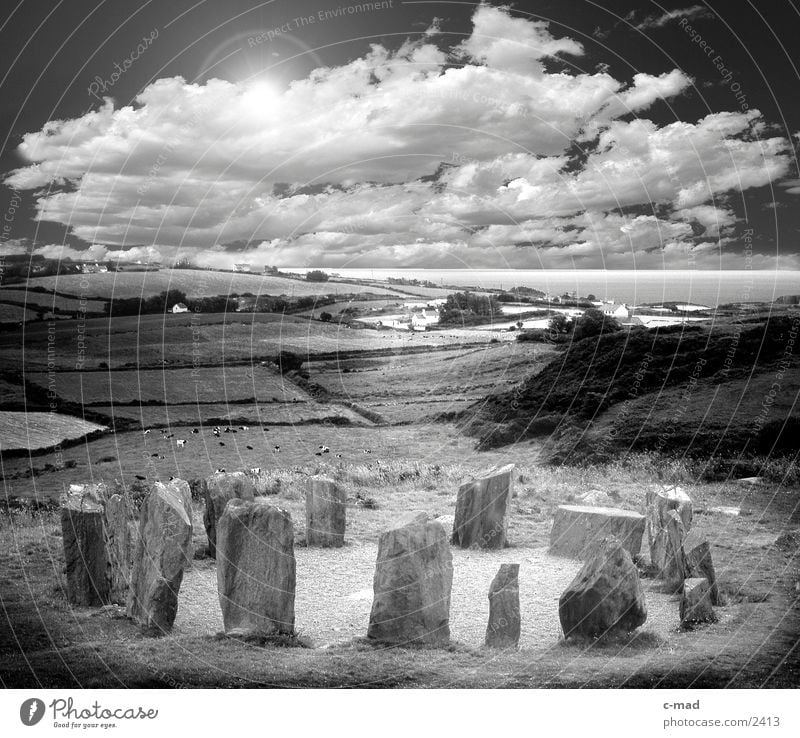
point(194, 283)
point(44, 301)
point(215, 338)
point(15, 313)
point(265, 413)
point(40, 430)
point(173, 386)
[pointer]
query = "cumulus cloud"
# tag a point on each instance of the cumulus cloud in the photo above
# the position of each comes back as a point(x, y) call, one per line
point(419, 156)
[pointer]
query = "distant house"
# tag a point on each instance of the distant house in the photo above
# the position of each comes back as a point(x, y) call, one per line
point(616, 311)
point(95, 268)
point(179, 307)
point(241, 267)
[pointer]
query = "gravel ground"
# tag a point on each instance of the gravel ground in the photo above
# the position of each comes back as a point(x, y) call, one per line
point(334, 595)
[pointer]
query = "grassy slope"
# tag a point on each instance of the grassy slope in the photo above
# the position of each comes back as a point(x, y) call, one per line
point(194, 282)
point(591, 377)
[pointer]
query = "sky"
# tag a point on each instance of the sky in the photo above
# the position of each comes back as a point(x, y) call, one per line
point(561, 135)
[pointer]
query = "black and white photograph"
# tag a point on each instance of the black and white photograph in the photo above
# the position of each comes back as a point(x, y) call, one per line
point(400, 346)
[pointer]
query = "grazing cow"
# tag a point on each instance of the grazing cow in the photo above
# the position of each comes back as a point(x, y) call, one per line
point(338, 456)
point(155, 456)
point(256, 470)
point(244, 427)
point(249, 448)
point(324, 449)
point(180, 442)
point(140, 478)
point(275, 449)
point(146, 431)
point(221, 443)
point(219, 471)
point(195, 431)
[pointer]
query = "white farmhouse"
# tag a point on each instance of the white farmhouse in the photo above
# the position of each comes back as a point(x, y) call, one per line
point(613, 310)
point(179, 307)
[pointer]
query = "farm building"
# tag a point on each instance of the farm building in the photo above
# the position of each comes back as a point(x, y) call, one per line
point(241, 267)
point(87, 268)
point(616, 311)
point(179, 307)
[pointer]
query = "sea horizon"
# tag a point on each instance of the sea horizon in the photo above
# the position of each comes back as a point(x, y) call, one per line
point(706, 287)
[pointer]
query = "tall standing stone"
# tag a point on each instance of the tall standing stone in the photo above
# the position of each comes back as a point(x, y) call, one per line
point(84, 545)
point(118, 543)
point(163, 550)
point(699, 563)
point(481, 510)
point(218, 489)
point(256, 569)
point(673, 568)
point(659, 504)
point(326, 513)
point(605, 596)
point(503, 628)
point(413, 580)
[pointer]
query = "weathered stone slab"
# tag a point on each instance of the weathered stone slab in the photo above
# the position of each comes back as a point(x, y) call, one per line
point(605, 596)
point(699, 563)
point(578, 529)
point(503, 629)
point(695, 604)
point(659, 503)
point(413, 580)
point(218, 489)
point(481, 510)
point(256, 569)
point(118, 548)
point(163, 549)
point(84, 545)
point(326, 513)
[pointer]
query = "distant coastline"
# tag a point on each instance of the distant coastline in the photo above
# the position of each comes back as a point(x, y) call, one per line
point(710, 288)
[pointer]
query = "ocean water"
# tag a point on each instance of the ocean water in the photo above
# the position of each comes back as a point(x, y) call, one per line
point(710, 288)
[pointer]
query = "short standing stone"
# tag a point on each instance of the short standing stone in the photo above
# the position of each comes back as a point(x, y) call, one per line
point(481, 510)
point(696, 602)
point(659, 504)
point(163, 549)
point(673, 569)
point(325, 513)
point(413, 580)
point(578, 529)
point(84, 545)
point(503, 628)
point(605, 596)
point(118, 542)
point(699, 563)
point(256, 569)
point(218, 489)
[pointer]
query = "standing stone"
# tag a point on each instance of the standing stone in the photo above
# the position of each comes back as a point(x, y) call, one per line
point(697, 557)
point(578, 530)
point(325, 513)
point(695, 604)
point(659, 504)
point(413, 580)
point(605, 596)
point(481, 510)
point(503, 628)
point(673, 569)
point(163, 549)
point(256, 569)
point(219, 488)
point(117, 542)
point(84, 545)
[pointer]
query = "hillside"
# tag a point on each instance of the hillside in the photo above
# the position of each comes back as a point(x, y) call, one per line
point(195, 283)
point(693, 392)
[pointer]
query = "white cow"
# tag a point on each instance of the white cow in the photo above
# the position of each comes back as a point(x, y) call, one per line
point(180, 442)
